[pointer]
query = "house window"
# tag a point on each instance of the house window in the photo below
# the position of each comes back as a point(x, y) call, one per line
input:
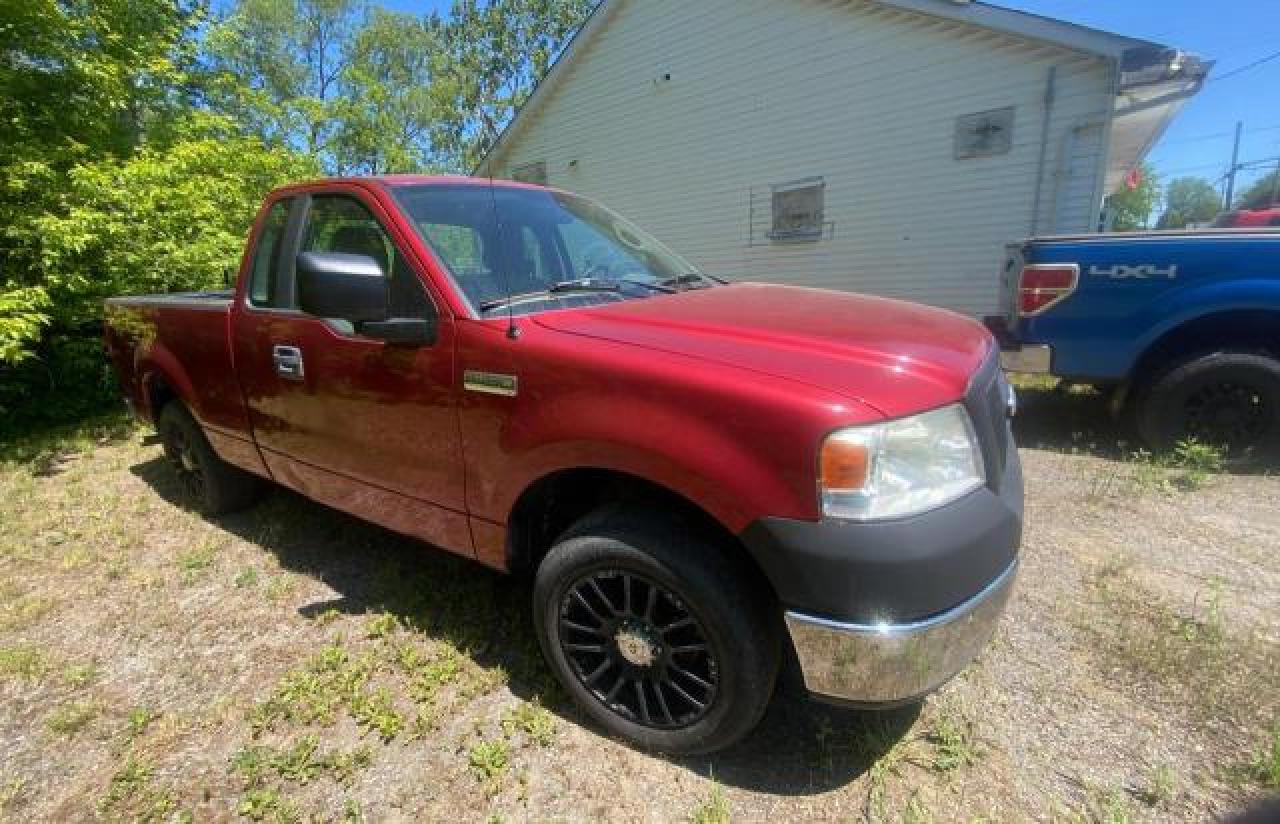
point(984, 134)
point(798, 210)
point(531, 173)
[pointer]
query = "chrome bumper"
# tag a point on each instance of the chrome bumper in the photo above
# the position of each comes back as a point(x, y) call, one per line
point(890, 663)
point(1037, 358)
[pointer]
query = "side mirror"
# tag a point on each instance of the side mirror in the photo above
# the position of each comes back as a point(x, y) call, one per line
point(342, 286)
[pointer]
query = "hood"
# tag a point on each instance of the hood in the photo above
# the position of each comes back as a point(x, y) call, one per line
point(899, 358)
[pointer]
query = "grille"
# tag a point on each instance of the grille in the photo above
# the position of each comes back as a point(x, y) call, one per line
point(985, 402)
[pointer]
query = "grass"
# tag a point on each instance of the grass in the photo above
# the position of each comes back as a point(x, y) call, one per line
point(28, 662)
point(1263, 769)
point(1193, 658)
point(714, 809)
point(1189, 467)
point(70, 719)
point(954, 743)
point(489, 759)
point(531, 720)
point(133, 796)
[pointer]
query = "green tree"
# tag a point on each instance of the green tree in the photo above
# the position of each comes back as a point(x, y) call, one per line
point(163, 219)
point(497, 52)
point(278, 68)
point(1131, 208)
point(1263, 193)
point(1189, 200)
point(390, 107)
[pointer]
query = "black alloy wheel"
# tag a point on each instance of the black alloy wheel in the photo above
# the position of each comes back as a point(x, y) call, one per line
point(657, 630)
point(183, 455)
point(213, 486)
point(1229, 399)
point(638, 648)
point(1225, 412)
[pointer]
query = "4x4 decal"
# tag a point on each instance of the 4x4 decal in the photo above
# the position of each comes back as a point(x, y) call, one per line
point(1143, 271)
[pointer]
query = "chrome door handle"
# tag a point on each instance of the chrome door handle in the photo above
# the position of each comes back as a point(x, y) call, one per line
point(288, 360)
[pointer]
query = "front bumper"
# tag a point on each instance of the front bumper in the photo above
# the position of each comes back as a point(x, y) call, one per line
point(882, 612)
point(890, 663)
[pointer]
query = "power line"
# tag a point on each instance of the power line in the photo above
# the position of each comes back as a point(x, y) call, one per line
point(1244, 68)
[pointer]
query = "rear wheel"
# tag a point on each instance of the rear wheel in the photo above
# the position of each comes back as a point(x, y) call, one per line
point(1231, 399)
point(214, 486)
point(659, 636)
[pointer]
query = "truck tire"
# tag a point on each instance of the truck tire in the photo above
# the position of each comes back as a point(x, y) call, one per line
point(214, 486)
point(657, 634)
point(1226, 398)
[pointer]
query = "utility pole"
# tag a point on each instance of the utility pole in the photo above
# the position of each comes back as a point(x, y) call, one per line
point(1235, 166)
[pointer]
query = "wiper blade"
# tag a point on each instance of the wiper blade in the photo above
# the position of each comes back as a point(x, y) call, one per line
point(689, 277)
point(577, 285)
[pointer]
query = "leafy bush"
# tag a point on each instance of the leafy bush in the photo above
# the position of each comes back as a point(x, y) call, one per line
point(164, 220)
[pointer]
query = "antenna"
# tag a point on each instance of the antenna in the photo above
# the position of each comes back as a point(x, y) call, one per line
point(513, 331)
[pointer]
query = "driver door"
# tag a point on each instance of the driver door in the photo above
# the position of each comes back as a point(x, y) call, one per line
point(363, 425)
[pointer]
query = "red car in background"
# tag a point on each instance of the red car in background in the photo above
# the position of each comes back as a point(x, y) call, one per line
point(1249, 218)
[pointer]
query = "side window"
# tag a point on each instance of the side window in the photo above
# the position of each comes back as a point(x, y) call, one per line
point(337, 223)
point(266, 256)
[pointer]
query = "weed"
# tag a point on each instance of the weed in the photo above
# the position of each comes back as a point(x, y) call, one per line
point(24, 662)
point(377, 712)
point(132, 796)
point(917, 812)
point(80, 675)
point(139, 719)
point(11, 793)
point(314, 693)
point(1160, 787)
point(268, 805)
point(489, 759)
point(194, 562)
point(953, 740)
point(713, 810)
point(1193, 656)
point(382, 626)
point(246, 578)
point(1113, 808)
point(352, 813)
point(70, 719)
point(1264, 768)
point(1198, 460)
point(532, 719)
point(23, 612)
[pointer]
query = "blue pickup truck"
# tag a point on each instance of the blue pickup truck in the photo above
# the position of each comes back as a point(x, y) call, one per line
point(1182, 327)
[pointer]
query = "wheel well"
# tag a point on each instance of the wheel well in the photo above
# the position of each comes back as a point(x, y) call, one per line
point(1256, 330)
point(554, 503)
point(159, 393)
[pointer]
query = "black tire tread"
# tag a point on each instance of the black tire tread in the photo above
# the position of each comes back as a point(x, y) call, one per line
point(226, 488)
point(718, 587)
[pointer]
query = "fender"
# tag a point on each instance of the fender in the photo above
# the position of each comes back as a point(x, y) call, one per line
point(732, 474)
point(1182, 306)
point(157, 362)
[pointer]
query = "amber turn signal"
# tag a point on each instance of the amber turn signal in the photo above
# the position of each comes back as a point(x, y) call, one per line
point(844, 464)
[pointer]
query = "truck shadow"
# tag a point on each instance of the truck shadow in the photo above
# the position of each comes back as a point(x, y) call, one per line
point(800, 748)
point(1076, 420)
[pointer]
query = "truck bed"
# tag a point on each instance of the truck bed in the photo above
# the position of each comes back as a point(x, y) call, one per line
point(189, 334)
point(214, 299)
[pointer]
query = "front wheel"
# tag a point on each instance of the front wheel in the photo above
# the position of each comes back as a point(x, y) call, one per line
point(1231, 399)
point(663, 639)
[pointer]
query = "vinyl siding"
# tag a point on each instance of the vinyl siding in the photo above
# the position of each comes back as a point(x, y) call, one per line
point(766, 92)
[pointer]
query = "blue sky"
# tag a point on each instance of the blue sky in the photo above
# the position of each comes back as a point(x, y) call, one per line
point(1232, 32)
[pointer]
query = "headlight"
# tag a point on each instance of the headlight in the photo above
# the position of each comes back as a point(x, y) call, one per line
point(900, 467)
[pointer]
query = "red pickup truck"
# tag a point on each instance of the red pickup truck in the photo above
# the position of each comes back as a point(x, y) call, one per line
point(707, 481)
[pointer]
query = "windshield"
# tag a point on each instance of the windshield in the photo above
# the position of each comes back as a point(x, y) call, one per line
point(552, 250)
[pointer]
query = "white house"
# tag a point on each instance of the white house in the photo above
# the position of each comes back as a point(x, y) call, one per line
point(883, 146)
